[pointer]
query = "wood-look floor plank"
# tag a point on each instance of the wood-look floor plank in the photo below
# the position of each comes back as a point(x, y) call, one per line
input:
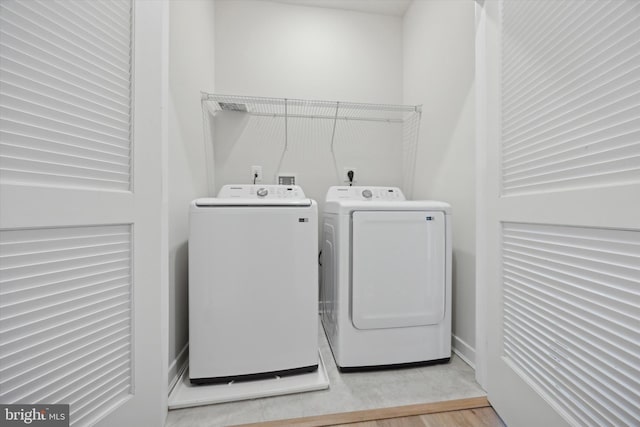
point(363, 424)
point(447, 419)
point(480, 417)
point(415, 421)
point(488, 416)
point(377, 415)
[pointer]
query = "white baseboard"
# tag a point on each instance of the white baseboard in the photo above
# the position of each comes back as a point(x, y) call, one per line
point(178, 365)
point(464, 351)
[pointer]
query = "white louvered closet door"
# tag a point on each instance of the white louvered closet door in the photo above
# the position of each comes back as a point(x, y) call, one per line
point(561, 81)
point(80, 208)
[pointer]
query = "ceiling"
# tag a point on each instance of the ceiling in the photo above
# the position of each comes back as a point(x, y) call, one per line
point(383, 7)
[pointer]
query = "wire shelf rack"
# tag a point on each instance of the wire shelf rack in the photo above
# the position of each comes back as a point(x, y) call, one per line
point(311, 109)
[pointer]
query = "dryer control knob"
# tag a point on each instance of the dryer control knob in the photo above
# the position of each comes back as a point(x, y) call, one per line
point(367, 194)
point(262, 192)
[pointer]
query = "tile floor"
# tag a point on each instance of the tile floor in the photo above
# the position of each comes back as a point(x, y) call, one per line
point(347, 392)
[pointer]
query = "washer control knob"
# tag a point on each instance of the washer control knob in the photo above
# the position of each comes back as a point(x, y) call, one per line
point(367, 194)
point(262, 192)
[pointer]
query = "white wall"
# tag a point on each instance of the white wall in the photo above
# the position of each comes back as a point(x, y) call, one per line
point(281, 50)
point(438, 71)
point(289, 51)
point(191, 69)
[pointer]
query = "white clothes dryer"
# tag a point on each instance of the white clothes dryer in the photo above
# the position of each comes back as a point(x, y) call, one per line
point(386, 278)
point(253, 284)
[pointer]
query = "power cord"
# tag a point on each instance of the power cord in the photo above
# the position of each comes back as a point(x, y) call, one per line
point(255, 176)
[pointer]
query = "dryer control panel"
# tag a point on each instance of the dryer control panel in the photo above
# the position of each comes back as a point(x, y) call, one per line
point(261, 192)
point(364, 193)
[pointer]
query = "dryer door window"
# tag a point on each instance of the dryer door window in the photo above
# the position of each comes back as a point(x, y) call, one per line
point(397, 269)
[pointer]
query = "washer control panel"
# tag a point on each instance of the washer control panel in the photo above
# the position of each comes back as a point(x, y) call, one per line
point(261, 192)
point(365, 193)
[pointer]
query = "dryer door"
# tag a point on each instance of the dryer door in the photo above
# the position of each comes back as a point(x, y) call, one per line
point(397, 268)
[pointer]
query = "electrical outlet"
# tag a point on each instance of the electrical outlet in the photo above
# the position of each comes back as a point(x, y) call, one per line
point(256, 174)
point(345, 175)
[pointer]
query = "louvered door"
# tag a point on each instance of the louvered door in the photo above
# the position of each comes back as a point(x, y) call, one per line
point(563, 211)
point(80, 202)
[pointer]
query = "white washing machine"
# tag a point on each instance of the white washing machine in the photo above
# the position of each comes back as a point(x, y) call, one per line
point(386, 278)
point(253, 284)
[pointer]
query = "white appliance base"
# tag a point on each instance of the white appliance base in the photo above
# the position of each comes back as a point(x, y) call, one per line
point(185, 395)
